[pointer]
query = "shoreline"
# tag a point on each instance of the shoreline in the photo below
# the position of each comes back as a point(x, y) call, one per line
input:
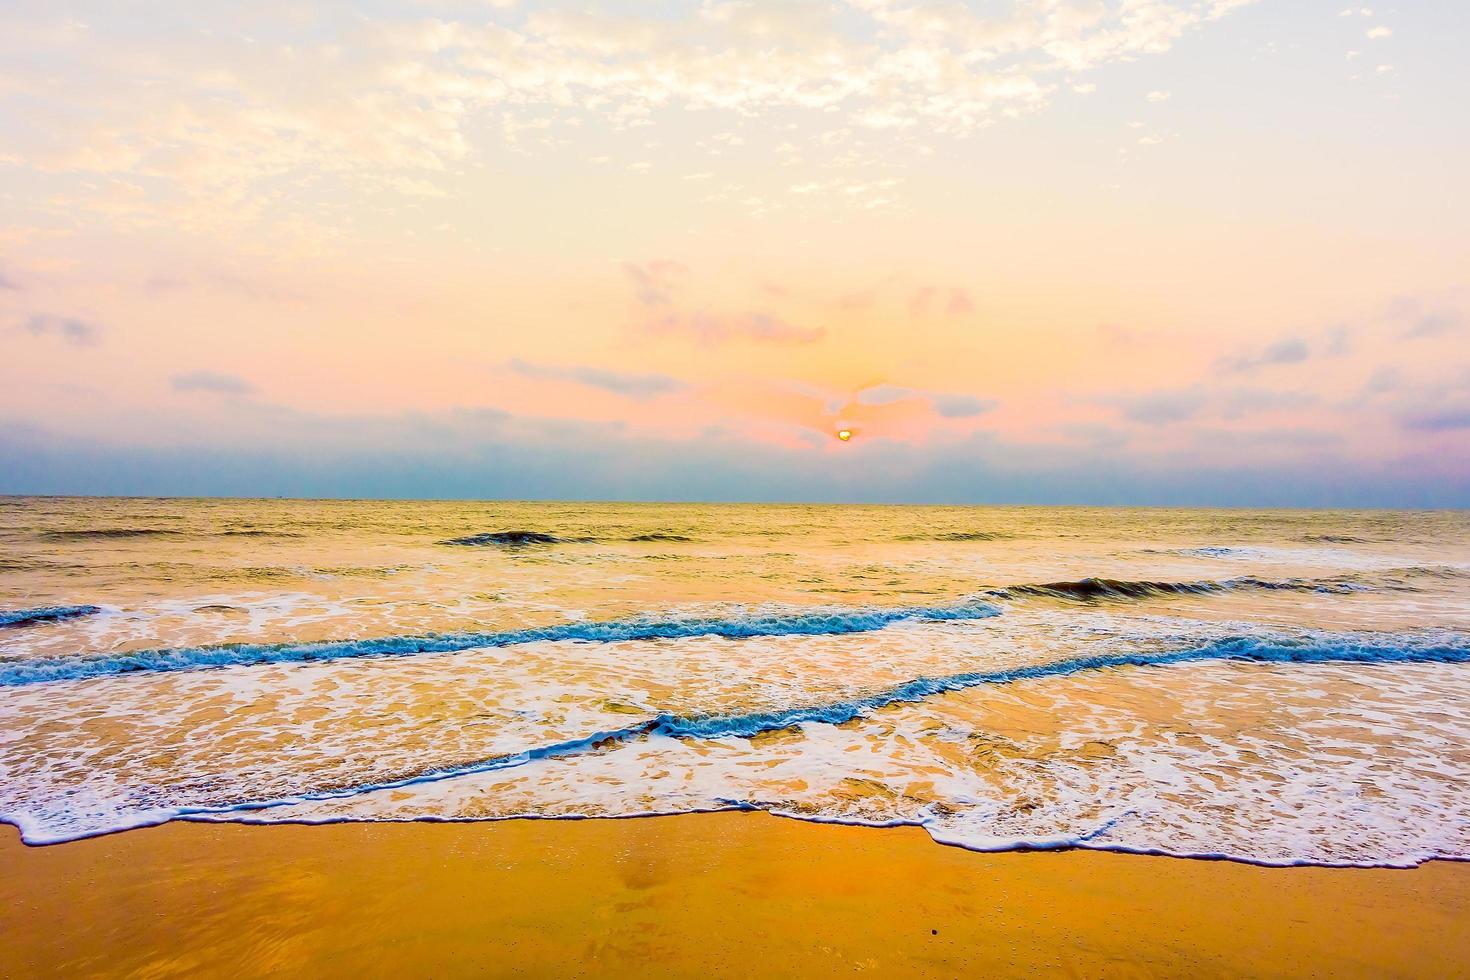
point(1041, 846)
point(698, 894)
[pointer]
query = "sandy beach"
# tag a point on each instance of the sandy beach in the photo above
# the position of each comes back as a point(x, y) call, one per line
point(701, 895)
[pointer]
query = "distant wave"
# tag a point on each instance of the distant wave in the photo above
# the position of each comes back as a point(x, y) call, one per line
point(102, 533)
point(107, 533)
point(1102, 589)
point(17, 672)
point(958, 536)
point(258, 533)
point(1206, 551)
point(510, 538)
point(1345, 648)
point(1443, 572)
point(521, 539)
point(44, 614)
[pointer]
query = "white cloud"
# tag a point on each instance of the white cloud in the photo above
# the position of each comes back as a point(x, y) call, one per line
point(68, 328)
point(630, 385)
point(238, 111)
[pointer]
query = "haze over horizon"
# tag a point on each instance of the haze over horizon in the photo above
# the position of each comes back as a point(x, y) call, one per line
point(1149, 251)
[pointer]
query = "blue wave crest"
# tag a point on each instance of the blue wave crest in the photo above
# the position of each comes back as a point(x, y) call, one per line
point(44, 614)
point(18, 672)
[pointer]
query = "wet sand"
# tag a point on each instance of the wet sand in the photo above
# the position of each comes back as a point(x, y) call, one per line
point(706, 895)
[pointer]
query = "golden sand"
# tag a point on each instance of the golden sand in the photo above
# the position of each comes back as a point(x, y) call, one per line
point(713, 895)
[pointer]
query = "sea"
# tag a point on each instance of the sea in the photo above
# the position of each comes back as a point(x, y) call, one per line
point(1276, 687)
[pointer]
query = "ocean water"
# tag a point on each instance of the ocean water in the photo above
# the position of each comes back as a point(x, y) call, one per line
point(1286, 687)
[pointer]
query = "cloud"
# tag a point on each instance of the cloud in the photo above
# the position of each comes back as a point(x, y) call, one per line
point(1163, 407)
point(945, 404)
point(1434, 324)
point(1199, 402)
point(474, 454)
point(1419, 317)
point(1339, 341)
point(1379, 32)
point(1443, 420)
point(925, 299)
point(69, 329)
point(1158, 96)
point(656, 288)
point(246, 101)
point(885, 394)
point(213, 382)
point(1384, 379)
point(1240, 402)
point(1288, 351)
point(654, 282)
point(962, 406)
point(6, 282)
point(638, 386)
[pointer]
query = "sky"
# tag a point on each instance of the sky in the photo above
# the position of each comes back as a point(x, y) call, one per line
point(1207, 252)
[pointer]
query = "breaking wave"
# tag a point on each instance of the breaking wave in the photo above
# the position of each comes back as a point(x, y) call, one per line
point(44, 614)
point(1104, 589)
point(1440, 646)
point(18, 672)
point(513, 539)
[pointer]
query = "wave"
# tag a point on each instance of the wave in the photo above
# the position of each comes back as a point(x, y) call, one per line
point(1207, 551)
point(521, 539)
point(1449, 647)
point(44, 614)
point(1440, 572)
point(257, 533)
point(959, 536)
point(1103, 589)
point(1434, 647)
point(103, 533)
point(19, 672)
point(512, 539)
point(111, 533)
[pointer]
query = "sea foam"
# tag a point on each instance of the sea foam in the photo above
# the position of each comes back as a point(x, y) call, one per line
point(1436, 646)
point(16, 672)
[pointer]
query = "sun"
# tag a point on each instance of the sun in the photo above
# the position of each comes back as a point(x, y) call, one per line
point(844, 434)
